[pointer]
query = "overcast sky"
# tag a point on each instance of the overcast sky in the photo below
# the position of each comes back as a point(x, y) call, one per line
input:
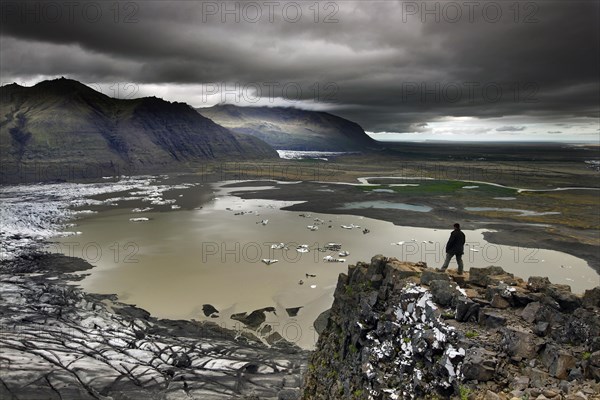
point(415, 70)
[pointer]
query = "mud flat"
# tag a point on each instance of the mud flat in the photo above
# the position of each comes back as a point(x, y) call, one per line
point(60, 342)
point(552, 223)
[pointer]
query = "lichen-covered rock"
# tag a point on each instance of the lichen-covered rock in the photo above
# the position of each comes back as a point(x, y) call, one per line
point(398, 347)
point(388, 337)
point(581, 326)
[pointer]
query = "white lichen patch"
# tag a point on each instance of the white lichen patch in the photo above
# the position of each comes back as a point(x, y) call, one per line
point(419, 352)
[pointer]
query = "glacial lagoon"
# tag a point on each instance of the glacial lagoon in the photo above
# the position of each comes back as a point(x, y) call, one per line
point(176, 261)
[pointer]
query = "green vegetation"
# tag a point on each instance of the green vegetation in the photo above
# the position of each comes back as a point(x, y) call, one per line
point(353, 349)
point(471, 334)
point(358, 393)
point(349, 290)
point(359, 287)
point(586, 355)
point(448, 315)
point(464, 392)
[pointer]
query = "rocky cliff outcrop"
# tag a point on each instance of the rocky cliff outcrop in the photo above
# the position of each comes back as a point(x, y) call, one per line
point(400, 330)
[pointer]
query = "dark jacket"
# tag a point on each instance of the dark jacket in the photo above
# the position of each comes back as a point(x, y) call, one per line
point(456, 242)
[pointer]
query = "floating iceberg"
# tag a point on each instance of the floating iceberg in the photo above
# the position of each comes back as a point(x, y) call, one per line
point(333, 259)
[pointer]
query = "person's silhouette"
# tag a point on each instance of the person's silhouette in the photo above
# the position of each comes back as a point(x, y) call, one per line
point(455, 248)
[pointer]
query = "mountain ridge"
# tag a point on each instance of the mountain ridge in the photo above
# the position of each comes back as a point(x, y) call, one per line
point(63, 121)
point(289, 128)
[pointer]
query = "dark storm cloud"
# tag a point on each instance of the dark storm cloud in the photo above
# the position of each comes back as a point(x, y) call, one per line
point(391, 70)
point(511, 129)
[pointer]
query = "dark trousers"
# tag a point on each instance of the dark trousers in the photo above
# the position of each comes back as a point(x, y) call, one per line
point(459, 261)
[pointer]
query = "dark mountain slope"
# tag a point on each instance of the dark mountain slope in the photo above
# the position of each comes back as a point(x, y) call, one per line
point(292, 129)
point(65, 122)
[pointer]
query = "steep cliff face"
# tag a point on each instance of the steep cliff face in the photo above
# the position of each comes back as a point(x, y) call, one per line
point(293, 129)
point(63, 122)
point(400, 330)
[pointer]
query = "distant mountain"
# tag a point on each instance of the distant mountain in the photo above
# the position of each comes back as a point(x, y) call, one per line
point(292, 129)
point(63, 122)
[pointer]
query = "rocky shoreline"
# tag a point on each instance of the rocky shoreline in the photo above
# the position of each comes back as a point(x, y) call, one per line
point(396, 330)
point(58, 342)
point(400, 330)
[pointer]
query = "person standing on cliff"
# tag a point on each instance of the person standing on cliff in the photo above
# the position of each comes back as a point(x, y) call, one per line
point(455, 248)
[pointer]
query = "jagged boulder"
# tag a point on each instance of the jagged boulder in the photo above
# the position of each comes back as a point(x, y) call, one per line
point(321, 322)
point(429, 275)
point(581, 326)
point(592, 366)
point(209, 310)
point(519, 344)
point(401, 270)
point(538, 283)
point(499, 296)
point(541, 328)
point(377, 264)
point(563, 296)
point(255, 318)
point(479, 365)
point(521, 297)
point(466, 309)
point(538, 378)
point(558, 361)
point(491, 319)
point(444, 292)
point(491, 275)
point(531, 311)
point(591, 297)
